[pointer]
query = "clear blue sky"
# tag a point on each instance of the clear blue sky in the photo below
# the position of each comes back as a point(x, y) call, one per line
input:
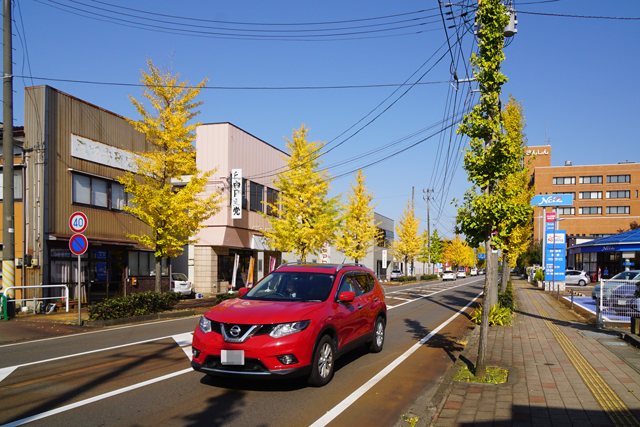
point(576, 77)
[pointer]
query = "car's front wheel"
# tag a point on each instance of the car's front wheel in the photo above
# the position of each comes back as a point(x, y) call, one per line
point(323, 363)
point(378, 336)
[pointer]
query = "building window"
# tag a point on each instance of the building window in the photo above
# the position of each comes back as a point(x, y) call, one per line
point(564, 180)
point(572, 193)
point(17, 184)
point(98, 192)
point(144, 264)
point(594, 210)
point(617, 209)
point(565, 211)
point(591, 179)
point(272, 200)
point(590, 195)
point(618, 178)
point(624, 194)
point(256, 196)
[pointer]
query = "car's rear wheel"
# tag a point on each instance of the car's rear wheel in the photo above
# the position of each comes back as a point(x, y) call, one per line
point(582, 283)
point(378, 336)
point(323, 362)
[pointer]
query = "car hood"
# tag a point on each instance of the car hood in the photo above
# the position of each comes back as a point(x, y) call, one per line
point(261, 312)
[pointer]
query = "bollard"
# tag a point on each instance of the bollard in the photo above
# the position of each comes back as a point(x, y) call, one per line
point(571, 299)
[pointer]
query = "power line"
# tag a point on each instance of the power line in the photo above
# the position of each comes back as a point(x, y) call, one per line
point(263, 23)
point(559, 15)
point(93, 82)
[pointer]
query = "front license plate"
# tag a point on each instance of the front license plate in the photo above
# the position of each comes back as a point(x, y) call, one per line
point(622, 302)
point(232, 357)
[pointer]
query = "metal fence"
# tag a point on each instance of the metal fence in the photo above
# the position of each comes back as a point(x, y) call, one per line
point(36, 300)
point(617, 300)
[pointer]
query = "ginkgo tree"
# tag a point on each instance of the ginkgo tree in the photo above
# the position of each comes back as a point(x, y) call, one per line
point(359, 231)
point(174, 213)
point(408, 243)
point(304, 217)
point(431, 250)
point(518, 189)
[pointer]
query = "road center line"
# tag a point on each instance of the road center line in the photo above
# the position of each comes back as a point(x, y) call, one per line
point(178, 338)
point(349, 400)
point(428, 296)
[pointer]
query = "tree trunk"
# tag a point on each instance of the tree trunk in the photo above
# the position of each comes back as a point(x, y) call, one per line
point(506, 270)
point(490, 293)
point(159, 275)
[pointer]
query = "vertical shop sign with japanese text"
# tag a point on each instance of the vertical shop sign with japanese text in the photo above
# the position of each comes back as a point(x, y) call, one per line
point(236, 193)
point(326, 254)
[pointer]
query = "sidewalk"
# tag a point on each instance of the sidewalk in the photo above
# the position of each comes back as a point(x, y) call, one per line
point(562, 372)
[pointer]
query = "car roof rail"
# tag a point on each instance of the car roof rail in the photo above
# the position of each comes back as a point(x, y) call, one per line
point(353, 264)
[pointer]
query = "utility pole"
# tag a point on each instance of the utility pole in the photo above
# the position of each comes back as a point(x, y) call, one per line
point(427, 197)
point(8, 253)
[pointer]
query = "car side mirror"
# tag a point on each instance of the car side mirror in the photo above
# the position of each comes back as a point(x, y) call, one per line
point(347, 296)
point(242, 292)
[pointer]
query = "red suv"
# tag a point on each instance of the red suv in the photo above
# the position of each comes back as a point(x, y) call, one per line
point(296, 321)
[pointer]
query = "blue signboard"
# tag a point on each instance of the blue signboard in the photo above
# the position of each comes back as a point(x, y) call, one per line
point(552, 200)
point(627, 264)
point(482, 256)
point(555, 263)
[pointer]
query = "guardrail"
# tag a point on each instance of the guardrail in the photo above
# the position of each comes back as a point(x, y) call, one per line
point(618, 300)
point(35, 299)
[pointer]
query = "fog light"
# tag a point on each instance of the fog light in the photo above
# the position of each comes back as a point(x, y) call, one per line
point(195, 352)
point(287, 359)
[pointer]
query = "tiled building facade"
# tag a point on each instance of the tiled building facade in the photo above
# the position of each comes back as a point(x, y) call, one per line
point(605, 196)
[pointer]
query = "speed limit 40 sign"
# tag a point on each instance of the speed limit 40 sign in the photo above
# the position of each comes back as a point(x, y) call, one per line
point(78, 222)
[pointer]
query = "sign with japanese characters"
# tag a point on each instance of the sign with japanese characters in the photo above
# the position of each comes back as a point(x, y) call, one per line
point(325, 256)
point(236, 193)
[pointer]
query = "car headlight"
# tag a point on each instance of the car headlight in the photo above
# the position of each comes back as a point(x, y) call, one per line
point(204, 324)
point(284, 329)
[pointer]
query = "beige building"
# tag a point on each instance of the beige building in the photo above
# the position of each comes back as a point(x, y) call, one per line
point(225, 147)
point(605, 196)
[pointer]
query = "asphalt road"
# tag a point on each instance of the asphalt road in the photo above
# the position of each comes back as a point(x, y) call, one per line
point(140, 375)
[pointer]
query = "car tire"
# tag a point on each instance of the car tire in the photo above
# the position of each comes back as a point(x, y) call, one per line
point(378, 336)
point(582, 283)
point(323, 363)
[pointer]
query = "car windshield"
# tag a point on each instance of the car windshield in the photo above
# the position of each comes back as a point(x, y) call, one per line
point(180, 277)
point(627, 275)
point(290, 286)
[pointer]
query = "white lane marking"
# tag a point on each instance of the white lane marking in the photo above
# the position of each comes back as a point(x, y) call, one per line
point(401, 299)
point(95, 399)
point(97, 332)
point(184, 341)
point(349, 400)
point(178, 338)
point(5, 372)
point(427, 296)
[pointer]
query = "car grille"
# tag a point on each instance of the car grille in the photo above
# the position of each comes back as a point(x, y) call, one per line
point(250, 365)
point(264, 329)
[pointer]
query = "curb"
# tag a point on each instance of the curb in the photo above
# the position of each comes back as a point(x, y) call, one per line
point(432, 401)
point(137, 319)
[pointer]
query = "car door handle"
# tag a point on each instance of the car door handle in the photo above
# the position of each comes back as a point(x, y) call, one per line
point(375, 299)
point(359, 307)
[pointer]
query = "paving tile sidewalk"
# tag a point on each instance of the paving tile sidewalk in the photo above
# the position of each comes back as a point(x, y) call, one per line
point(544, 387)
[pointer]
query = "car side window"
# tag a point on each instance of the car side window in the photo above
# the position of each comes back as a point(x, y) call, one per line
point(345, 286)
point(362, 282)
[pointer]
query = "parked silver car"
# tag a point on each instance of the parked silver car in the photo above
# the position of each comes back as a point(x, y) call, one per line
point(626, 277)
point(576, 277)
point(395, 274)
